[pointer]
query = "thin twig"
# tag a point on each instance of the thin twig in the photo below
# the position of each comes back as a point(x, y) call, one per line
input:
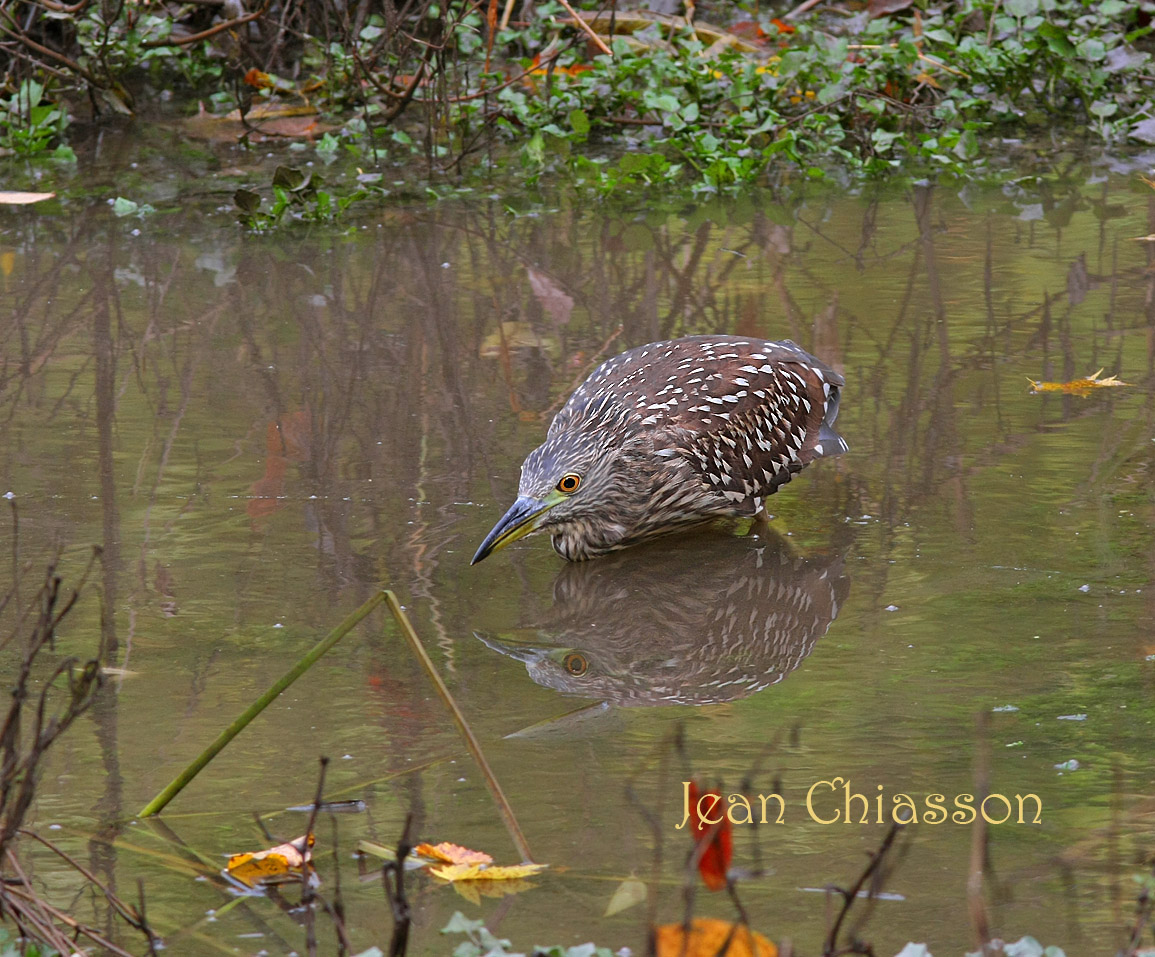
point(598, 41)
point(466, 732)
point(850, 896)
point(210, 32)
point(801, 9)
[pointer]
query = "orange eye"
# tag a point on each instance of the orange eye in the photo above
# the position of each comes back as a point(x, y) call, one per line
point(569, 483)
point(576, 665)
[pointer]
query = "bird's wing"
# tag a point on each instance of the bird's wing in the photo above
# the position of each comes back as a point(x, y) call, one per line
point(748, 414)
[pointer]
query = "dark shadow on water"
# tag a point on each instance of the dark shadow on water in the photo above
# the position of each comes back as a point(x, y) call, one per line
point(699, 621)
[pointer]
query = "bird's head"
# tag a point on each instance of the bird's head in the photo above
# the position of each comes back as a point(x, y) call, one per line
point(570, 481)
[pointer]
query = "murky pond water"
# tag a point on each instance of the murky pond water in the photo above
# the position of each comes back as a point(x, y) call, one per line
point(259, 431)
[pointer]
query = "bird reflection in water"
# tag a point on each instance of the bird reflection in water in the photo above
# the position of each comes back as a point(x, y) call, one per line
point(714, 620)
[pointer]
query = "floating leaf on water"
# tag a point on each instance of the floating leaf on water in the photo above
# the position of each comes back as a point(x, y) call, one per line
point(1076, 386)
point(707, 935)
point(22, 199)
point(452, 853)
point(479, 872)
point(630, 892)
point(474, 891)
point(273, 866)
point(373, 849)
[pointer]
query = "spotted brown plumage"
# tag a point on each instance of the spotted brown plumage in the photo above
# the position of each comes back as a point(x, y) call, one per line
point(670, 435)
point(718, 622)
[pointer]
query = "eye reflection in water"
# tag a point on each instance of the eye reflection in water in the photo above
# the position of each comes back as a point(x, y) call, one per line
point(715, 619)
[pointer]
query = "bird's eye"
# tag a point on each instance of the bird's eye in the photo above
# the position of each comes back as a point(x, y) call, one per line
point(569, 483)
point(575, 664)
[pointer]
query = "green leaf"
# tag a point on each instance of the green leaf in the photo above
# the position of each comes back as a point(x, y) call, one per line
point(124, 207)
point(1056, 39)
point(1092, 49)
point(1021, 8)
point(579, 122)
point(967, 146)
point(634, 162)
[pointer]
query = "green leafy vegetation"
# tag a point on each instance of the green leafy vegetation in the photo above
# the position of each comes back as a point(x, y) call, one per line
point(31, 125)
point(450, 93)
point(296, 195)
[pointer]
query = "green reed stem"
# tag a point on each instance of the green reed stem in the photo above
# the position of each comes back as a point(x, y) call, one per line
point(181, 780)
point(418, 649)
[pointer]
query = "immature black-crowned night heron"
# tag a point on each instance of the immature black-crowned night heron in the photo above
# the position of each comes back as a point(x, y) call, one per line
point(671, 435)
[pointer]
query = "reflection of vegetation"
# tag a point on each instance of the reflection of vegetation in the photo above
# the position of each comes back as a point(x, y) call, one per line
point(47, 700)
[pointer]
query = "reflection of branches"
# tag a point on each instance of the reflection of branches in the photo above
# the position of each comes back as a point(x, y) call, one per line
point(31, 726)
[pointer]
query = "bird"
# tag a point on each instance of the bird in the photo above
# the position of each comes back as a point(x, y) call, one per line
point(671, 435)
point(717, 623)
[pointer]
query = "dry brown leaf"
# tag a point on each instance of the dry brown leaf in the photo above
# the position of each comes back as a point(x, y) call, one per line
point(22, 199)
point(1077, 386)
point(707, 935)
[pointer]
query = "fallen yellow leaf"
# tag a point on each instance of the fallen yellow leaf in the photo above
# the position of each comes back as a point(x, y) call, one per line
point(478, 872)
point(707, 935)
point(473, 891)
point(1077, 386)
point(452, 853)
point(272, 866)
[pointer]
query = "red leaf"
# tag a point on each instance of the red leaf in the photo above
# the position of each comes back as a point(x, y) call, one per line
point(716, 835)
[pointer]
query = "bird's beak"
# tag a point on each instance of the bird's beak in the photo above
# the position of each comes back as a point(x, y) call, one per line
point(524, 516)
